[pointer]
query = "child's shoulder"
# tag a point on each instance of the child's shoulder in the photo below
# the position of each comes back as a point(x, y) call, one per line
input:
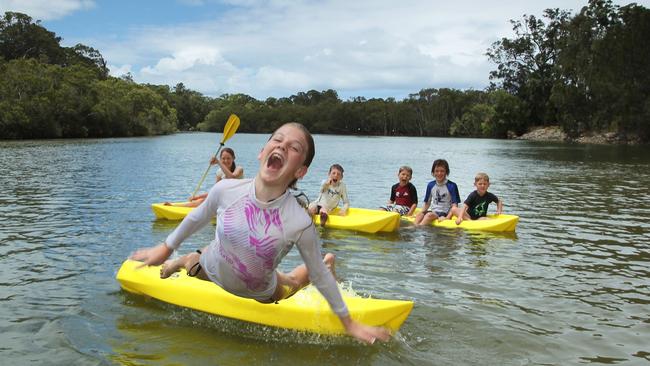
point(296, 211)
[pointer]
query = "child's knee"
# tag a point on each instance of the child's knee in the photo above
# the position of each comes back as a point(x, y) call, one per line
point(329, 258)
point(191, 260)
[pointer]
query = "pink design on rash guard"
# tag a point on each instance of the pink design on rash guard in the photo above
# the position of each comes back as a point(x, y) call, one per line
point(253, 248)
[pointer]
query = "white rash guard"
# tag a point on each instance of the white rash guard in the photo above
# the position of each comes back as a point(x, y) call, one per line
point(332, 194)
point(251, 239)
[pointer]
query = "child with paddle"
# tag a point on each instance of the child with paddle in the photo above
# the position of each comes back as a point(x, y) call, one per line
point(227, 170)
point(475, 206)
point(258, 221)
point(227, 167)
point(332, 191)
point(403, 195)
point(442, 192)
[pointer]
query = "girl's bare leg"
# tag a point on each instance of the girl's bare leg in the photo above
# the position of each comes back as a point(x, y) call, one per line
point(188, 261)
point(299, 277)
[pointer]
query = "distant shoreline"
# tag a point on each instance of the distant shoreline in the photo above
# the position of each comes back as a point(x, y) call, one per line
point(555, 134)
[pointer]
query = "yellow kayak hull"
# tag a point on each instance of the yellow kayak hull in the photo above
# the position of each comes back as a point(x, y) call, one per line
point(307, 310)
point(494, 223)
point(361, 219)
point(170, 212)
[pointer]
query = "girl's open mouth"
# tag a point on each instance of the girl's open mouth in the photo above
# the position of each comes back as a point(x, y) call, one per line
point(275, 161)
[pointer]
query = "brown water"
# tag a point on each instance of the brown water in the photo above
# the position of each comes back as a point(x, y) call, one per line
point(570, 287)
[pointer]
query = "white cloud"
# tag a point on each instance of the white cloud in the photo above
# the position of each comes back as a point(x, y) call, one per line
point(119, 70)
point(186, 59)
point(45, 9)
point(359, 48)
point(277, 48)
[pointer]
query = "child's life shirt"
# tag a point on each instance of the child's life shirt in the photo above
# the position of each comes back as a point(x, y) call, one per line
point(405, 195)
point(441, 196)
point(477, 206)
point(251, 239)
point(221, 175)
point(332, 194)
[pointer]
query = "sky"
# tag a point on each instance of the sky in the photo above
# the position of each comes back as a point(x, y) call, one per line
point(277, 48)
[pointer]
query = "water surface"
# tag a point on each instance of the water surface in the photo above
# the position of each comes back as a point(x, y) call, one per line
point(570, 287)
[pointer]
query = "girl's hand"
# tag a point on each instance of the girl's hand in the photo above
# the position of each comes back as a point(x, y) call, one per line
point(365, 333)
point(152, 256)
point(214, 160)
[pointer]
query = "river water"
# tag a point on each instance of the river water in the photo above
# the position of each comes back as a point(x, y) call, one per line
point(571, 286)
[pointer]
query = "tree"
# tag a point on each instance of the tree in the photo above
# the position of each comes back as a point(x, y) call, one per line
point(526, 64)
point(21, 38)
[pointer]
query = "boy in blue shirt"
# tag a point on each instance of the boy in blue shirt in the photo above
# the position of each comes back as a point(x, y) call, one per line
point(441, 196)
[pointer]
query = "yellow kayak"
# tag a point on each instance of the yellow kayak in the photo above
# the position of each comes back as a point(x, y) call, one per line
point(361, 219)
point(307, 310)
point(495, 223)
point(170, 212)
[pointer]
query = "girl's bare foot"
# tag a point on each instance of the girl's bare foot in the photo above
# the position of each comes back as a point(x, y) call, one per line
point(170, 267)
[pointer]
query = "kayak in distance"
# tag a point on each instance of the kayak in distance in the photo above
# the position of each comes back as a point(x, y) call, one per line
point(307, 310)
point(494, 223)
point(362, 219)
point(357, 219)
point(175, 211)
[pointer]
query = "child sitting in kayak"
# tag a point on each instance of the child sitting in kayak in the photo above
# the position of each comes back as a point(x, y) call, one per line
point(332, 191)
point(441, 195)
point(227, 169)
point(476, 205)
point(403, 195)
point(258, 221)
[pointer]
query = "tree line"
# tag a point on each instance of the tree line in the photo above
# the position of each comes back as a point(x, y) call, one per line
point(587, 72)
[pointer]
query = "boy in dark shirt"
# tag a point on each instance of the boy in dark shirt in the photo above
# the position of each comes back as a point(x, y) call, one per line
point(403, 195)
point(476, 205)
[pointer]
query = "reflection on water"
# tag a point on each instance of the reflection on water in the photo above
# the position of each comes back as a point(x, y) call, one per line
point(570, 286)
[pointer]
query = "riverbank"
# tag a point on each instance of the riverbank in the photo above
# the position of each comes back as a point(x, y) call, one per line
point(555, 134)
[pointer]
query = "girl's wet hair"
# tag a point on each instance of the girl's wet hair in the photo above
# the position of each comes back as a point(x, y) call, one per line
point(231, 152)
point(440, 162)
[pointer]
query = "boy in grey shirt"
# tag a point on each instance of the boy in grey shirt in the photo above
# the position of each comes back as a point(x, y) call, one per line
point(332, 191)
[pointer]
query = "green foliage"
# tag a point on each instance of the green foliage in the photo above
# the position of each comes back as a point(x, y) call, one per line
point(128, 109)
point(20, 38)
point(476, 122)
point(587, 73)
point(51, 91)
